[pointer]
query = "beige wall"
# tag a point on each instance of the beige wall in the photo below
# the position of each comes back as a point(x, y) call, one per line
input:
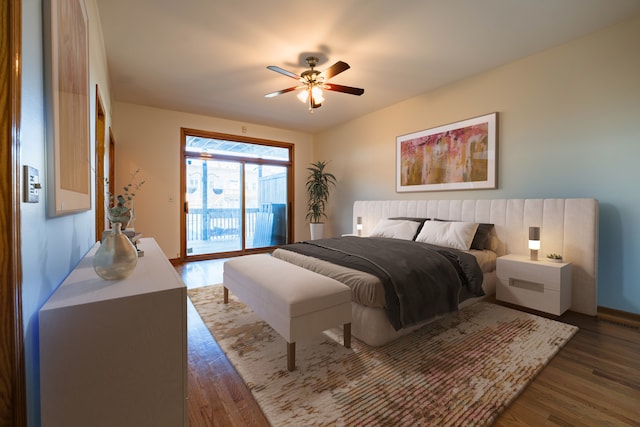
point(560, 111)
point(149, 139)
point(568, 127)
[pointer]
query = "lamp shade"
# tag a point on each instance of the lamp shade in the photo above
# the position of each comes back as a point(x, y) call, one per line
point(534, 242)
point(534, 233)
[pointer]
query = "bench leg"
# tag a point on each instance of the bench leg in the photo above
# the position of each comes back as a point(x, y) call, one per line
point(291, 356)
point(347, 335)
point(226, 295)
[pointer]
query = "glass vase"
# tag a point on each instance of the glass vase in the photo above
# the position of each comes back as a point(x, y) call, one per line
point(116, 258)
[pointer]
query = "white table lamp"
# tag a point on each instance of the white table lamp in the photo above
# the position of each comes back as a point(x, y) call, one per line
point(534, 242)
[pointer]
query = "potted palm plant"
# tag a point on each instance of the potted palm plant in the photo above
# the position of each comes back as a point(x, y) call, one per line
point(318, 184)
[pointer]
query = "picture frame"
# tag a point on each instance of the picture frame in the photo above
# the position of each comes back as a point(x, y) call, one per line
point(67, 106)
point(456, 156)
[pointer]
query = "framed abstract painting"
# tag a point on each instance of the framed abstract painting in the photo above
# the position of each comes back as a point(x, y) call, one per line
point(67, 107)
point(457, 156)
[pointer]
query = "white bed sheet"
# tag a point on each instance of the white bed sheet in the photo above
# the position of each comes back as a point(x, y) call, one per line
point(369, 319)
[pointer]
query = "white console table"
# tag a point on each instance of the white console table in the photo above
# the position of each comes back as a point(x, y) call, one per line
point(114, 353)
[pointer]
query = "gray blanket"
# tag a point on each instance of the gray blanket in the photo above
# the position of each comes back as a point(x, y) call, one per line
point(420, 280)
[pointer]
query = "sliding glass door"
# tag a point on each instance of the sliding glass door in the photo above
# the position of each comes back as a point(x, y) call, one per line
point(214, 200)
point(236, 197)
point(266, 205)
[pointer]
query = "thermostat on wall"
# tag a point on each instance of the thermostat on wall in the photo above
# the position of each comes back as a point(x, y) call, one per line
point(31, 187)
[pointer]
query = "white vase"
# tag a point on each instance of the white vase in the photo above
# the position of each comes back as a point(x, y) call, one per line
point(317, 230)
point(116, 258)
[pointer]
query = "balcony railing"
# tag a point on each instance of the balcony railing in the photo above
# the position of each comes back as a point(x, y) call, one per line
point(219, 224)
point(264, 226)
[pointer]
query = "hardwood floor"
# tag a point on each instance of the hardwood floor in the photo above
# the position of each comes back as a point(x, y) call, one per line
point(593, 381)
point(217, 394)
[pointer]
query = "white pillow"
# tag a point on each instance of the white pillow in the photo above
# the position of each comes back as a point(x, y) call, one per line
point(396, 229)
point(456, 235)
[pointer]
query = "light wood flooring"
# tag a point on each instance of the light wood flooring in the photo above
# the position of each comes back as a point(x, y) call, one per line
point(593, 381)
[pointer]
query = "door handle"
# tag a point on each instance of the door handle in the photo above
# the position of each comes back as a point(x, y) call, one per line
point(186, 207)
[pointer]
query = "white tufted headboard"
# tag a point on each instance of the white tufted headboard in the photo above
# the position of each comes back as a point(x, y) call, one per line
point(567, 226)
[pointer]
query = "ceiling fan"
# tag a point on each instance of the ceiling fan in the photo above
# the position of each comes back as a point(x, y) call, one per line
point(314, 81)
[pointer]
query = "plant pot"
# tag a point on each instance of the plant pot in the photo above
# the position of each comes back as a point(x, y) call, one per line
point(555, 260)
point(317, 230)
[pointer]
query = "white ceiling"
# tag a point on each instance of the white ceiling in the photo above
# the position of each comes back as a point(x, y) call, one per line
point(209, 56)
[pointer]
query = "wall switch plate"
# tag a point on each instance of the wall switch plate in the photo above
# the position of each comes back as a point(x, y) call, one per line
point(31, 187)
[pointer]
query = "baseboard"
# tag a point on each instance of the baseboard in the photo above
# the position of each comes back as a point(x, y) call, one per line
point(618, 316)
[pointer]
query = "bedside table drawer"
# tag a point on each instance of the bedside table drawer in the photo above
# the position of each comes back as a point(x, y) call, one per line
point(540, 285)
point(544, 272)
point(532, 296)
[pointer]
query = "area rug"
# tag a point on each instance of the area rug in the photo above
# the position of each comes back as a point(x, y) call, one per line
point(463, 369)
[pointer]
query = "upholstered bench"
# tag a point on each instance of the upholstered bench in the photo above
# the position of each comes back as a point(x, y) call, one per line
point(294, 301)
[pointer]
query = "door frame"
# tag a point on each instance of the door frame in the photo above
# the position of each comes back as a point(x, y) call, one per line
point(184, 132)
point(13, 404)
point(101, 128)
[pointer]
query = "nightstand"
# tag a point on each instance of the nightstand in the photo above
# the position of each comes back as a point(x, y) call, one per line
point(541, 285)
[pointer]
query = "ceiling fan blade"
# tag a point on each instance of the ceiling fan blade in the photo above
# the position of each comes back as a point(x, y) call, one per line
point(335, 69)
point(344, 89)
point(283, 71)
point(280, 92)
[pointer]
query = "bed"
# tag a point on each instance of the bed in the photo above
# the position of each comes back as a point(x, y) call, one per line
point(568, 226)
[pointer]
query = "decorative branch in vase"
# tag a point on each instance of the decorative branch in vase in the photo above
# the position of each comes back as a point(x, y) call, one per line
point(120, 207)
point(117, 256)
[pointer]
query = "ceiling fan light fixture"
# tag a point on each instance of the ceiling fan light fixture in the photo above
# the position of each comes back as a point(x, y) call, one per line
point(317, 94)
point(303, 96)
point(313, 95)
